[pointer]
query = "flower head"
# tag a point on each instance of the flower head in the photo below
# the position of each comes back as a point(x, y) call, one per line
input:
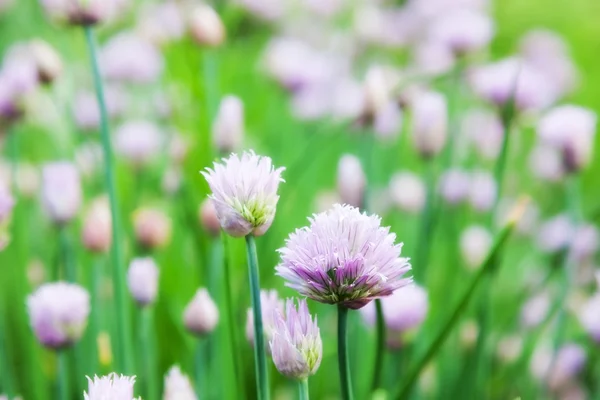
point(61, 191)
point(142, 278)
point(228, 126)
point(589, 316)
point(58, 313)
point(296, 346)
point(139, 142)
point(343, 257)
point(269, 303)
point(127, 57)
point(206, 26)
point(97, 227)
point(201, 315)
point(112, 386)
point(244, 192)
point(82, 12)
point(152, 227)
point(178, 386)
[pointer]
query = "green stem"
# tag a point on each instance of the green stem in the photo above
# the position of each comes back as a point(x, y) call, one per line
point(344, 366)
point(426, 226)
point(259, 342)
point(199, 368)
point(123, 345)
point(70, 271)
point(6, 375)
point(377, 368)
point(303, 389)
point(458, 311)
point(63, 375)
point(149, 366)
point(211, 89)
point(97, 309)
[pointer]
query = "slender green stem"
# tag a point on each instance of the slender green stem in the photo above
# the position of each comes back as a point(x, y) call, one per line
point(200, 367)
point(6, 375)
point(260, 362)
point(457, 312)
point(97, 311)
point(148, 357)
point(303, 389)
point(70, 271)
point(378, 367)
point(123, 345)
point(211, 87)
point(64, 392)
point(344, 365)
point(426, 226)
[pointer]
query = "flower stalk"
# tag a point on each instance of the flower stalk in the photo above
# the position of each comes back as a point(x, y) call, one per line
point(303, 389)
point(343, 364)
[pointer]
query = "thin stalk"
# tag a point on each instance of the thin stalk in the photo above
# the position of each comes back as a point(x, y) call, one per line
point(303, 389)
point(211, 89)
point(457, 312)
point(426, 226)
point(97, 309)
point(380, 354)
point(215, 341)
point(344, 366)
point(123, 344)
point(148, 358)
point(70, 271)
point(64, 392)
point(6, 372)
point(260, 361)
point(200, 368)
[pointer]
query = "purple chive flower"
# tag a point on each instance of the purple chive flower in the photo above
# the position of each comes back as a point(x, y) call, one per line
point(201, 314)
point(61, 191)
point(228, 126)
point(86, 112)
point(343, 257)
point(244, 191)
point(142, 278)
point(178, 386)
point(454, 185)
point(127, 57)
point(83, 12)
point(429, 123)
point(296, 345)
point(403, 311)
point(270, 302)
point(463, 30)
point(58, 313)
point(139, 142)
point(112, 386)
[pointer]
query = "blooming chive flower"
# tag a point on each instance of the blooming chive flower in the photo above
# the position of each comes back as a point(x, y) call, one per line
point(201, 315)
point(178, 386)
point(61, 191)
point(244, 191)
point(343, 257)
point(112, 386)
point(270, 302)
point(296, 346)
point(142, 278)
point(58, 313)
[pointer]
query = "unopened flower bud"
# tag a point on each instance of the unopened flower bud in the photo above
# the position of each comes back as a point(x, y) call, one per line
point(129, 58)
point(535, 310)
point(463, 30)
point(228, 127)
point(475, 243)
point(152, 228)
point(47, 60)
point(351, 181)
point(97, 227)
point(139, 142)
point(201, 315)
point(82, 12)
point(208, 218)
point(482, 191)
point(178, 386)
point(206, 26)
point(454, 186)
point(58, 313)
point(407, 191)
point(429, 123)
point(61, 191)
point(142, 279)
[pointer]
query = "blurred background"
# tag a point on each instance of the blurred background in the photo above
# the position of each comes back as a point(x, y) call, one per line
point(330, 90)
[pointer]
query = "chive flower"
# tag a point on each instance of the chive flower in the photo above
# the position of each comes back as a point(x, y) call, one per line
point(111, 386)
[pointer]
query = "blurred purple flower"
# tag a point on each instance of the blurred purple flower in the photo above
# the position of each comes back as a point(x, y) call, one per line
point(270, 303)
point(431, 58)
point(454, 185)
point(475, 243)
point(142, 279)
point(83, 12)
point(351, 181)
point(484, 129)
point(87, 113)
point(127, 57)
point(139, 142)
point(589, 316)
point(201, 315)
point(555, 234)
point(343, 257)
point(407, 191)
point(58, 313)
point(585, 242)
point(61, 191)
point(429, 123)
point(162, 22)
point(535, 310)
point(463, 30)
point(546, 163)
point(7, 202)
point(296, 344)
point(244, 192)
point(228, 126)
point(388, 121)
point(18, 79)
point(112, 386)
point(482, 190)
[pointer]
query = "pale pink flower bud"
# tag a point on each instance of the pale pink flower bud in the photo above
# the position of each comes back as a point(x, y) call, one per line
point(228, 126)
point(545, 162)
point(379, 83)
point(454, 185)
point(463, 30)
point(206, 26)
point(178, 386)
point(139, 142)
point(127, 57)
point(535, 310)
point(482, 191)
point(83, 12)
point(571, 129)
point(47, 60)
point(152, 228)
point(351, 180)
point(429, 123)
point(475, 243)
point(61, 191)
point(432, 58)
point(97, 227)
point(407, 191)
point(58, 313)
point(162, 22)
point(201, 314)
point(388, 121)
point(142, 279)
point(208, 218)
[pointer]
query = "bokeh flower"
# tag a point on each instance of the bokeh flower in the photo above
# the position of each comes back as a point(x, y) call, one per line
point(82, 12)
point(351, 181)
point(228, 126)
point(152, 227)
point(296, 345)
point(270, 302)
point(142, 279)
point(178, 386)
point(201, 314)
point(429, 123)
point(139, 142)
point(407, 191)
point(343, 257)
point(58, 313)
point(206, 26)
point(244, 192)
point(97, 227)
point(112, 386)
point(61, 191)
